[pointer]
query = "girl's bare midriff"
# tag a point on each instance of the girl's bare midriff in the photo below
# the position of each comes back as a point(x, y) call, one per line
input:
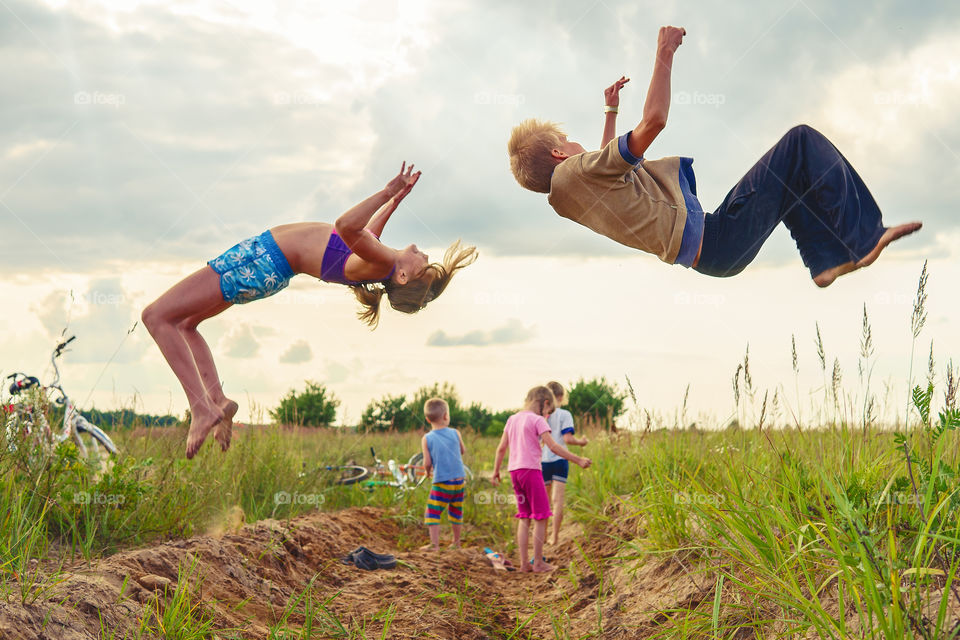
point(304, 244)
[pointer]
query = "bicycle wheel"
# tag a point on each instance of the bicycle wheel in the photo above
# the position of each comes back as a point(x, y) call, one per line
point(416, 460)
point(350, 474)
point(94, 436)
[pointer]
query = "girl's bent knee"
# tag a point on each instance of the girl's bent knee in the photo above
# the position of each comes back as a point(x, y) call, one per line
point(149, 316)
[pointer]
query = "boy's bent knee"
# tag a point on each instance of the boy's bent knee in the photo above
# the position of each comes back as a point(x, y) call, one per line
point(802, 131)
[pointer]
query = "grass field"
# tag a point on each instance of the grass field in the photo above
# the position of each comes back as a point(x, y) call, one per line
point(822, 532)
point(847, 529)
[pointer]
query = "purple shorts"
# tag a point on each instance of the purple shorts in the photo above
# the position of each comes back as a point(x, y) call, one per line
point(532, 502)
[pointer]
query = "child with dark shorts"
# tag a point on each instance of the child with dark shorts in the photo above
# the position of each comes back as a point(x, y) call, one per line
point(556, 469)
point(523, 435)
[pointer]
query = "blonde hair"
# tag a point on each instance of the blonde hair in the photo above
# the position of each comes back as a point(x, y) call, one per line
point(540, 398)
point(557, 389)
point(434, 409)
point(415, 294)
point(530, 146)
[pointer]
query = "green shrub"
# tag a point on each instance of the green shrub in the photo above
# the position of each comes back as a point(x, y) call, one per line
point(314, 407)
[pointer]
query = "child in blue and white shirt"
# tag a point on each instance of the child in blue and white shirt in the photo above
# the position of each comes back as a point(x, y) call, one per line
point(556, 469)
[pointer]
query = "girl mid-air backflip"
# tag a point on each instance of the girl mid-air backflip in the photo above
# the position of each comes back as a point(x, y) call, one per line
point(348, 252)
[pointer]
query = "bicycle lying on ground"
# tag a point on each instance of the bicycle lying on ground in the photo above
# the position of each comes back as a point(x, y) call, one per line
point(403, 477)
point(26, 420)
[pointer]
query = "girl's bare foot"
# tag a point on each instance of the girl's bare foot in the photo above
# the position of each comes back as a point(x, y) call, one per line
point(224, 429)
point(454, 545)
point(543, 567)
point(200, 426)
point(891, 234)
point(429, 547)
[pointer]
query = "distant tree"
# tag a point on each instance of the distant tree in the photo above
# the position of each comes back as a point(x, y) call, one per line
point(478, 417)
point(315, 407)
point(459, 416)
point(497, 422)
point(118, 418)
point(597, 400)
point(396, 412)
point(390, 412)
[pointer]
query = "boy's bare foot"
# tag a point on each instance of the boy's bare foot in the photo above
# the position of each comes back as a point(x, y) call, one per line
point(429, 547)
point(542, 567)
point(454, 545)
point(200, 426)
point(224, 429)
point(891, 234)
point(826, 278)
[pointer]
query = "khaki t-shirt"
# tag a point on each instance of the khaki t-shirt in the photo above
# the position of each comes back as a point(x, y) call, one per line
point(640, 206)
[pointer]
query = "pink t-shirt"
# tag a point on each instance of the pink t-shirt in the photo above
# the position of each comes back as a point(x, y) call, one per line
point(523, 437)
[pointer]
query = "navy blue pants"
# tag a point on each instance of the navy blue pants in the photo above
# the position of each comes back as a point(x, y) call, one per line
point(806, 183)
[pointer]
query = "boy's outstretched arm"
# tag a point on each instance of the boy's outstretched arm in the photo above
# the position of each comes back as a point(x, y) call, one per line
point(569, 438)
point(657, 104)
point(611, 103)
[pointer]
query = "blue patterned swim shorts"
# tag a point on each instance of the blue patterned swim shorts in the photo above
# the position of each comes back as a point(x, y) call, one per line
point(252, 269)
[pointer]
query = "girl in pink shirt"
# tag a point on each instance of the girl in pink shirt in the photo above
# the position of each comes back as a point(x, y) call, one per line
point(523, 435)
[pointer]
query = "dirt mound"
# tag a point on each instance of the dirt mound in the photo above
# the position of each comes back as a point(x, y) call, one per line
point(246, 581)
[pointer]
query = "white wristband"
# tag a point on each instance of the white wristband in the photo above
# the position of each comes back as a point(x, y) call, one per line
point(609, 109)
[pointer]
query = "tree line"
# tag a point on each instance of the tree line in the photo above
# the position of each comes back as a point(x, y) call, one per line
point(596, 400)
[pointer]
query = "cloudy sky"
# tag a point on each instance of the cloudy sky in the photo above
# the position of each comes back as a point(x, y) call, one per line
point(139, 139)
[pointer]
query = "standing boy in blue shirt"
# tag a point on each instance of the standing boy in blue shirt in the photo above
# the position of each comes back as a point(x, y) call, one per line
point(443, 455)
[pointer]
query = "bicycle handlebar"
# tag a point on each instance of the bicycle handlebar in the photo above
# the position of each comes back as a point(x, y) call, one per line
point(53, 360)
point(60, 347)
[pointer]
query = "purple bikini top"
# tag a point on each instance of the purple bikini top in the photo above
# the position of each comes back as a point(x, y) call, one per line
point(335, 261)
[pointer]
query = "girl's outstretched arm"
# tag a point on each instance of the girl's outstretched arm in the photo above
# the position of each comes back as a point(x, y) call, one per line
point(498, 460)
point(551, 444)
point(351, 226)
point(379, 220)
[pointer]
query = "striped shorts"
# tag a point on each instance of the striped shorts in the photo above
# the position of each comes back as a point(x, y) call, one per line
point(445, 494)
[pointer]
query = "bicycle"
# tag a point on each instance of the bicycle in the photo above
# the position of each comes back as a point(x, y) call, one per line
point(405, 477)
point(416, 461)
point(27, 417)
point(349, 473)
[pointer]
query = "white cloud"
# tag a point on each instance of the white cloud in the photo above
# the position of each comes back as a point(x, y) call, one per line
point(513, 332)
point(240, 342)
point(238, 116)
point(886, 108)
point(297, 353)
